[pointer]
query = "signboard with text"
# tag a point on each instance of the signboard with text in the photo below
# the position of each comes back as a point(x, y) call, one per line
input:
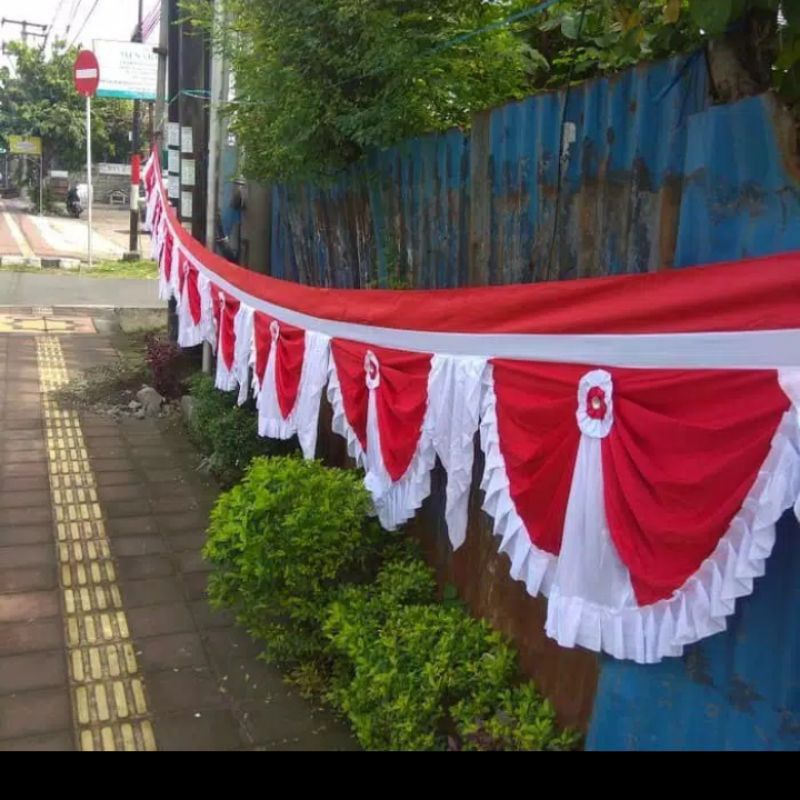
point(25, 145)
point(127, 69)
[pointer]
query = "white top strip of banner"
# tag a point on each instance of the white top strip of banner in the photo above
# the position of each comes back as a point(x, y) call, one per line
point(766, 349)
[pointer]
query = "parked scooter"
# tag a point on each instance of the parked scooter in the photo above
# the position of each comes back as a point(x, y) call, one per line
point(74, 206)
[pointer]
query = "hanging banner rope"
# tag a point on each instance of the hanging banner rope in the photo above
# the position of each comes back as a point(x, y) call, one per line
point(640, 433)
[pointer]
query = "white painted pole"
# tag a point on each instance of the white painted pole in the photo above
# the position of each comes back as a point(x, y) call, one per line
point(89, 172)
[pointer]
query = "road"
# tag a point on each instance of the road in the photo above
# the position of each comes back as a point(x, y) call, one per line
point(18, 289)
point(27, 235)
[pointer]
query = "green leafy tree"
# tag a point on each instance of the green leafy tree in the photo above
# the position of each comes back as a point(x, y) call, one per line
point(320, 81)
point(38, 98)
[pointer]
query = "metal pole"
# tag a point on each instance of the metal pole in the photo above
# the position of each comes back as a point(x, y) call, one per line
point(41, 169)
point(214, 143)
point(170, 45)
point(89, 173)
point(163, 45)
point(133, 244)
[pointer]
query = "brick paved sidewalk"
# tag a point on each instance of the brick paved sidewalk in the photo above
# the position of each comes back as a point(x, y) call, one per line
point(106, 638)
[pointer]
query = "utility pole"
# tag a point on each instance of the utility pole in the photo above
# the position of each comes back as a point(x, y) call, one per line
point(171, 37)
point(215, 120)
point(193, 81)
point(133, 249)
point(25, 25)
point(161, 92)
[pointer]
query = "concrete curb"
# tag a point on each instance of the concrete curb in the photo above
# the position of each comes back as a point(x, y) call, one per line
point(20, 261)
point(40, 263)
point(61, 263)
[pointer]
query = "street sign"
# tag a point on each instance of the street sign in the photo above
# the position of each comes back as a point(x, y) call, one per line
point(129, 69)
point(87, 76)
point(86, 73)
point(25, 145)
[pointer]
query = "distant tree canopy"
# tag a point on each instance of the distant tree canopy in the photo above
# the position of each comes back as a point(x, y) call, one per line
point(318, 82)
point(38, 98)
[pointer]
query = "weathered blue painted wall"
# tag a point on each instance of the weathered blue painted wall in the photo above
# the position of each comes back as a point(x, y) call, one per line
point(464, 209)
point(739, 689)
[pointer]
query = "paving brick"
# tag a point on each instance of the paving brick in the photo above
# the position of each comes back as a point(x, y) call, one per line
point(25, 534)
point(189, 689)
point(24, 436)
point(230, 650)
point(61, 741)
point(212, 730)
point(131, 526)
point(196, 585)
point(25, 445)
point(100, 465)
point(123, 491)
point(185, 521)
point(28, 579)
point(193, 540)
point(124, 508)
point(22, 606)
point(151, 592)
point(181, 502)
point(160, 619)
point(25, 457)
point(27, 637)
point(118, 478)
point(20, 673)
point(30, 713)
point(164, 476)
point(191, 561)
point(173, 651)
point(25, 484)
point(27, 555)
point(22, 470)
point(148, 544)
point(208, 618)
point(29, 499)
point(26, 516)
point(138, 567)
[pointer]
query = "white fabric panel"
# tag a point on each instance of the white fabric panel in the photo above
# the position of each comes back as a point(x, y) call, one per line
point(303, 419)
point(454, 403)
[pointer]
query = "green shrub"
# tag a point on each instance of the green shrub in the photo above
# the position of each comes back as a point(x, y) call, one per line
point(283, 540)
point(415, 674)
point(521, 719)
point(411, 674)
point(226, 433)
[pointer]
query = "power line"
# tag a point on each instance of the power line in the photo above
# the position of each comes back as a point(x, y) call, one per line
point(53, 23)
point(80, 30)
point(76, 4)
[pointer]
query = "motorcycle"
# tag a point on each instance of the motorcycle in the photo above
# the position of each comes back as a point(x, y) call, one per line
point(74, 207)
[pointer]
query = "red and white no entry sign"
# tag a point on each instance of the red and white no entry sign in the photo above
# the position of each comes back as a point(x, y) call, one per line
point(86, 73)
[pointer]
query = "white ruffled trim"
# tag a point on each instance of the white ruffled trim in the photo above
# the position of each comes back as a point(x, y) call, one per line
point(340, 424)
point(243, 330)
point(454, 402)
point(699, 608)
point(303, 419)
point(394, 502)
point(189, 334)
point(529, 564)
point(227, 379)
point(208, 325)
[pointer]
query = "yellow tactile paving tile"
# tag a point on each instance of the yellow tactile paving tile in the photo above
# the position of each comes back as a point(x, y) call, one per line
point(109, 699)
point(37, 323)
